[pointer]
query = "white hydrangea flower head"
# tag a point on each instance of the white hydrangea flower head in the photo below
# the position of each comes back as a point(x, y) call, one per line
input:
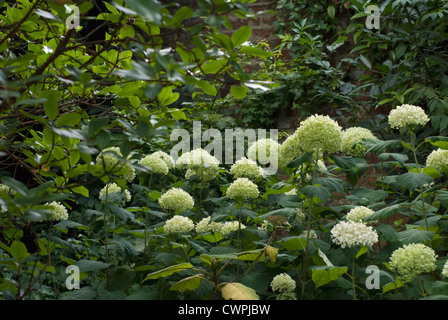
point(352, 233)
point(445, 270)
point(169, 161)
point(242, 188)
point(283, 283)
point(246, 168)
point(352, 138)
point(319, 133)
point(263, 150)
point(58, 211)
point(156, 163)
point(199, 163)
point(358, 213)
point(230, 226)
point(108, 159)
point(178, 224)
point(407, 115)
point(205, 225)
point(112, 193)
point(438, 159)
point(300, 215)
point(413, 259)
point(177, 200)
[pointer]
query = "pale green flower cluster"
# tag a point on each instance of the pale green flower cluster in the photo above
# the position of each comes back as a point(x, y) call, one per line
point(412, 260)
point(199, 163)
point(438, 159)
point(445, 270)
point(312, 234)
point(289, 150)
point(358, 213)
point(112, 193)
point(7, 190)
point(242, 188)
point(300, 215)
point(352, 138)
point(58, 211)
point(178, 224)
point(352, 233)
point(246, 168)
point(263, 150)
point(319, 133)
point(110, 162)
point(407, 115)
point(177, 200)
point(285, 285)
point(159, 162)
point(224, 228)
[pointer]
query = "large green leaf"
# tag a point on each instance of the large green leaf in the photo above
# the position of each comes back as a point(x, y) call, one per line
point(18, 250)
point(322, 275)
point(293, 243)
point(320, 192)
point(241, 35)
point(91, 265)
point(383, 213)
point(413, 180)
point(414, 236)
point(168, 271)
point(188, 284)
point(148, 9)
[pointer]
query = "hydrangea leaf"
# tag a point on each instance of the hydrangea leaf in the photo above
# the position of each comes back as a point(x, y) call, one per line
point(238, 291)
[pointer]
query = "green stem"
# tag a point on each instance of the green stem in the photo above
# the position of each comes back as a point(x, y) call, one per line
point(353, 279)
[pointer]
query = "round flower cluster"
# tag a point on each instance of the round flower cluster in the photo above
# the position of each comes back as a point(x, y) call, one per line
point(199, 163)
point(407, 115)
point(178, 224)
point(58, 211)
point(263, 151)
point(312, 234)
point(7, 190)
point(246, 168)
point(289, 150)
point(112, 193)
point(176, 199)
point(438, 159)
point(283, 283)
point(159, 162)
point(319, 133)
point(352, 138)
point(358, 213)
point(230, 226)
point(413, 259)
point(205, 225)
point(108, 160)
point(300, 215)
point(242, 188)
point(225, 228)
point(352, 233)
point(445, 270)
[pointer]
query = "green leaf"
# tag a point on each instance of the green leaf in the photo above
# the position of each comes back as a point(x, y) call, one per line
point(293, 243)
point(251, 255)
point(322, 275)
point(51, 103)
point(413, 180)
point(188, 284)
point(316, 191)
point(81, 190)
point(256, 52)
point(90, 265)
point(331, 12)
point(383, 213)
point(345, 163)
point(414, 236)
point(239, 92)
point(438, 141)
point(241, 35)
point(18, 250)
point(379, 146)
point(442, 196)
point(168, 271)
point(15, 185)
point(299, 161)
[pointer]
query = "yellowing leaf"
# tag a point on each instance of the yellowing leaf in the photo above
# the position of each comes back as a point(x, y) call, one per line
point(238, 291)
point(272, 253)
